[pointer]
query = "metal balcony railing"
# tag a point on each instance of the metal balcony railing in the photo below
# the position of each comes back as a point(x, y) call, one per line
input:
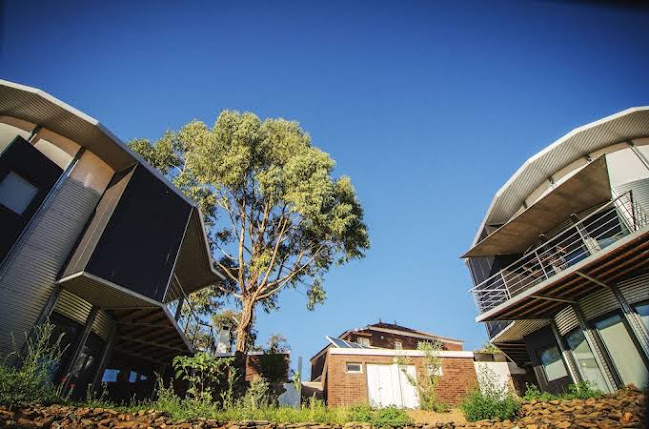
point(605, 226)
point(201, 335)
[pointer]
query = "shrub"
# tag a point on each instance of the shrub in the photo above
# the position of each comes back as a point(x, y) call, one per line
point(426, 385)
point(390, 417)
point(583, 390)
point(492, 400)
point(32, 381)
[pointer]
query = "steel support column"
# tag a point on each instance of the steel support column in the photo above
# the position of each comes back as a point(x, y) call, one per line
point(108, 349)
point(82, 342)
point(610, 376)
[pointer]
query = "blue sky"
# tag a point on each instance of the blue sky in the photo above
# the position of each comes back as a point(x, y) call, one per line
point(428, 106)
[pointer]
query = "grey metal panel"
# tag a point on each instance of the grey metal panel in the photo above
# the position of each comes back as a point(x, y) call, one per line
point(636, 289)
point(640, 192)
point(103, 324)
point(30, 276)
point(78, 309)
point(73, 307)
point(518, 329)
point(566, 320)
point(598, 303)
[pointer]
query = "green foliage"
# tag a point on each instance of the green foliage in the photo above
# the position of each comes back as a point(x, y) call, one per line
point(583, 390)
point(493, 400)
point(203, 372)
point(390, 417)
point(426, 384)
point(257, 395)
point(285, 219)
point(32, 382)
point(489, 348)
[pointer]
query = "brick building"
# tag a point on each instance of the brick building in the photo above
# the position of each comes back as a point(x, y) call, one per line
point(360, 367)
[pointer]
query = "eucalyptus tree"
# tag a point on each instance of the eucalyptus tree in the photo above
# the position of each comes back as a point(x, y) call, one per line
point(277, 217)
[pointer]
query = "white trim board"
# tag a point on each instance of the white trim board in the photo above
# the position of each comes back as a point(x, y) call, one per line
point(404, 353)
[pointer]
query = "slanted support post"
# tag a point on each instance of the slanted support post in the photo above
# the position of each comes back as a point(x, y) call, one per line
point(103, 362)
point(82, 342)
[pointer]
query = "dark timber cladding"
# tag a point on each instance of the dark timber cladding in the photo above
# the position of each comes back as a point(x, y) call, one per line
point(135, 235)
point(25, 162)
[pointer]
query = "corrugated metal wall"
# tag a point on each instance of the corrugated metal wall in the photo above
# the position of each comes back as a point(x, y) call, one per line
point(566, 320)
point(640, 190)
point(29, 278)
point(636, 289)
point(78, 309)
point(598, 303)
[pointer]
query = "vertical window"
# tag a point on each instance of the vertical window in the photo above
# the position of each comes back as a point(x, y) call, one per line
point(622, 350)
point(398, 345)
point(586, 363)
point(363, 341)
point(552, 363)
point(643, 311)
point(16, 193)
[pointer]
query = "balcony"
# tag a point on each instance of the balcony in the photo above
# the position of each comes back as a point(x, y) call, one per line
point(559, 256)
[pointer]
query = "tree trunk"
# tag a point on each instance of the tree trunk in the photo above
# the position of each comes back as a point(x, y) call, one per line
point(245, 324)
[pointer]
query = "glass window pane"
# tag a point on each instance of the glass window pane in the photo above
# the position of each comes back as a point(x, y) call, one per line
point(552, 363)
point(643, 311)
point(16, 193)
point(586, 363)
point(623, 352)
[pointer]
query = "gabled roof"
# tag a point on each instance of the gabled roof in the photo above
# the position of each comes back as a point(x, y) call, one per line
point(390, 328)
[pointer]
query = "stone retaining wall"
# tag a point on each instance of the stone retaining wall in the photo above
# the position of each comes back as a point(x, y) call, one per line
point(624, 409)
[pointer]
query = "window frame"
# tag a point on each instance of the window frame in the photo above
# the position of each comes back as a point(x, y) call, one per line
point(360, 368)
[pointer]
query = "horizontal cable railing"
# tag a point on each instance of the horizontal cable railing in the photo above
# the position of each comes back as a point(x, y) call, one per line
point(201, 335)
point(605, 226)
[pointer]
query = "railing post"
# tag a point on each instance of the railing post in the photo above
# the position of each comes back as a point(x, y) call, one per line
point(536, 253)
point(502, 276)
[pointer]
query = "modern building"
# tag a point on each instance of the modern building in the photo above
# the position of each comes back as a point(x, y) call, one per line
point(96, 241)
point(560, 263)
point(376, 365)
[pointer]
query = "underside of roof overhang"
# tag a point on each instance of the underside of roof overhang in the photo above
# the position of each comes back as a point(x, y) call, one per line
point(624, 126)
point(586, 189)
point(194, 268)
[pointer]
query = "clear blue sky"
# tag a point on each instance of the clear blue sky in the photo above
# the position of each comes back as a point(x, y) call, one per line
point(428, 106)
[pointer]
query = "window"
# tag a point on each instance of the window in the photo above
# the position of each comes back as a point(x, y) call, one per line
point(110, 376)
point(354, 368)
point(132, 377)
point(16, 193)
point(552, 363)
point(363, 341)
point(643, 311)
point(622, 350)
point(586, 363)
point(398, 345)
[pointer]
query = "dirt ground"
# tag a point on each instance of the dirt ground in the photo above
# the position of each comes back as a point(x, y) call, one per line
point(420, 416)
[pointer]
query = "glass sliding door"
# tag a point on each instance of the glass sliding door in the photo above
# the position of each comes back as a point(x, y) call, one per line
point(586, 363)
point(622, 350)
point(643, 311)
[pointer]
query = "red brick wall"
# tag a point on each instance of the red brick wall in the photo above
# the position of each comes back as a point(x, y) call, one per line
point(386, 340)
point(342, 389)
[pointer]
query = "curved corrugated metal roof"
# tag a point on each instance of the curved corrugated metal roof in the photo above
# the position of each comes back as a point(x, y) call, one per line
point(626, 125)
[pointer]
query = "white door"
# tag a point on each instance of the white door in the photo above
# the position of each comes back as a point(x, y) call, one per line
point(387, 385)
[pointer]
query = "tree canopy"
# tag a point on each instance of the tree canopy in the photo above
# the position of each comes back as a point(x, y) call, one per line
point(277, 217)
